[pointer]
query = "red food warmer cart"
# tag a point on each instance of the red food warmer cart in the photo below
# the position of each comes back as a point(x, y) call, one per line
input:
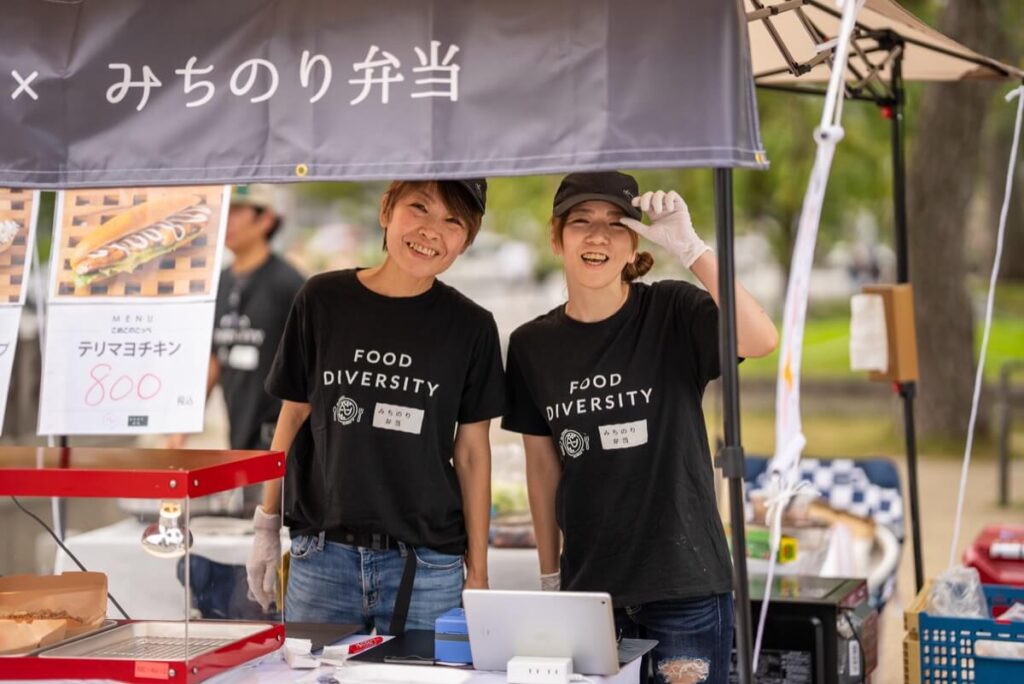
point(162, 551)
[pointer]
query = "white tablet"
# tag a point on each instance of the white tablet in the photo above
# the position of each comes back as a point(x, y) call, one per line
point(578, 625)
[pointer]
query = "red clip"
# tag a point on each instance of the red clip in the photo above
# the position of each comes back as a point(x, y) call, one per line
point(886, 111)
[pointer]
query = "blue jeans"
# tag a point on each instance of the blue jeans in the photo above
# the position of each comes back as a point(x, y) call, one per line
point(694, 637)
point(331, 582)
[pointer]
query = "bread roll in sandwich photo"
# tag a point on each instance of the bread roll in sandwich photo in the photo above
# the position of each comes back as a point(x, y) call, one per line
point(139, 235)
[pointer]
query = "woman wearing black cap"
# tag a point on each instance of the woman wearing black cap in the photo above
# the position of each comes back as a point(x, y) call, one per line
point(607, 390)
point(389, 379)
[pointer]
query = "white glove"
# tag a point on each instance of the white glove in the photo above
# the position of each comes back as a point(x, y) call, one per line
point(551, 582)
point(264, 557)
point(670, 227)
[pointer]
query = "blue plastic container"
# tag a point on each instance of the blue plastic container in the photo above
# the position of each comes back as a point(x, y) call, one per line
point(947, 644)
point(451, 637)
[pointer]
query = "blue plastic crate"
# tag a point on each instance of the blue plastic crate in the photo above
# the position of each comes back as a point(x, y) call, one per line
point(947, 644)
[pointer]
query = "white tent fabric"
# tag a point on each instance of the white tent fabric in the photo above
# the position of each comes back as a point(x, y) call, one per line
point(803, 25)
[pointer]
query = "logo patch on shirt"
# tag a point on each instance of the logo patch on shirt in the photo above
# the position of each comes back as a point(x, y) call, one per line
point(347, 411)
point(399, 418)
point(623, 435)
point(573, 443)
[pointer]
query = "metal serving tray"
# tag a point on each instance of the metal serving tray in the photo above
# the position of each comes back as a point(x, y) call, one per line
point(156, 641)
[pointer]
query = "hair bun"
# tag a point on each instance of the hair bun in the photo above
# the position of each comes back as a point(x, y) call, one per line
point(640, 267)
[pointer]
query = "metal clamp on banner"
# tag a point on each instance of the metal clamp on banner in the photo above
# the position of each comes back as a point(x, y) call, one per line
point(730, 460)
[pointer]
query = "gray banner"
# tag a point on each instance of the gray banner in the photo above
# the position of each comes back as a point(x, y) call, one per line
point(129, 93)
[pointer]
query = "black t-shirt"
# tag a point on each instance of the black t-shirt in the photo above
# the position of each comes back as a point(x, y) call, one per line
point(388, 380)
point(621, 399)
point(250, 316)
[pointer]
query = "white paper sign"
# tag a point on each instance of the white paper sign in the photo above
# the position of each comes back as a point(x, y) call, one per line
point(19, 213)
point(115, 369)
point(133, 286)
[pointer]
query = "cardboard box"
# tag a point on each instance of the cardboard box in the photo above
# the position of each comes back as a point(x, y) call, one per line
point(902, 333)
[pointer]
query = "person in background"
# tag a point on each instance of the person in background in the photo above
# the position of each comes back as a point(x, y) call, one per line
point(607, 391)
point(253, 300)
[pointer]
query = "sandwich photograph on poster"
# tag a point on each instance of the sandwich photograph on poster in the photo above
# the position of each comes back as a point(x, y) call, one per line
point(133, 284)
point(137, 242)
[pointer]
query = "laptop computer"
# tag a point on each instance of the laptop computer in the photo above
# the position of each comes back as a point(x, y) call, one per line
point(578, 625)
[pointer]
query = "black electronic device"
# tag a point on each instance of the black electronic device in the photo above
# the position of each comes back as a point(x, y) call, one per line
point(819, 630)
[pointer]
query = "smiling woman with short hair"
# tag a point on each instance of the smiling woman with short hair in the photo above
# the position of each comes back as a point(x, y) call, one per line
point(389, 379)
point(607, 390)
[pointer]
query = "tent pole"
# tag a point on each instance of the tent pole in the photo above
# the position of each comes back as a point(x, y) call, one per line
point(730, 458)
point(907, 390)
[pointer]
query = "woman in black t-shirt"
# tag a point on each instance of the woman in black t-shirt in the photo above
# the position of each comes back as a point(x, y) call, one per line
point(607, 390)
point(389, 380)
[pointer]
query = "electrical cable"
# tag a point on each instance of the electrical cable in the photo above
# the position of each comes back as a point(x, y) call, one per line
point(66, 550)
point(1017, 92)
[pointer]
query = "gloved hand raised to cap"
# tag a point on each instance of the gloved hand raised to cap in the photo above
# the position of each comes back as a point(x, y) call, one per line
point(264, 557)
point(670, 226)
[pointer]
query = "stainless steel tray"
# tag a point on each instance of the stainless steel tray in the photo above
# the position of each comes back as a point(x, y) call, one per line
point(156, 641)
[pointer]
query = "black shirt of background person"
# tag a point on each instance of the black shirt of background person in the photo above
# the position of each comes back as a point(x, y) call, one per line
point(250, 318)
point(621, 398)
point(388, 380)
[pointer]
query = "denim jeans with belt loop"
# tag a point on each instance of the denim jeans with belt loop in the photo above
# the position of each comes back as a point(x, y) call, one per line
point(694, 637)
point(340, 583)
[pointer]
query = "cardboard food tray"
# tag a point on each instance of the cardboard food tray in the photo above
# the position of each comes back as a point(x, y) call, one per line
point(15, 205)
point(48, 643)
point(188, 270)
point(19, 637)
point(76, 599)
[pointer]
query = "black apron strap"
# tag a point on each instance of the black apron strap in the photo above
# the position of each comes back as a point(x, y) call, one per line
point(404, 597)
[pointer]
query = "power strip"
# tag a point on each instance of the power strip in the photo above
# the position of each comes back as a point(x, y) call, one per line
point(526, 670)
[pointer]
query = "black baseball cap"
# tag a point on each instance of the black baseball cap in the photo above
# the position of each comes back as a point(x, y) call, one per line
point(477, 189)
point(610, 186)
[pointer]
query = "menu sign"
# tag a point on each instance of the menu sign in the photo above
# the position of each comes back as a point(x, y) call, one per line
point(132, 292)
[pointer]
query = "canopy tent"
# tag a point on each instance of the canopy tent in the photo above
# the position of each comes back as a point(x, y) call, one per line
point(787, 37)
point(792, 43)
point(117, 92)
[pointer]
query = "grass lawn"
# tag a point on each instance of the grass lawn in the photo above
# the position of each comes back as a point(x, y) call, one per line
point(826, 356)
point(827, 348)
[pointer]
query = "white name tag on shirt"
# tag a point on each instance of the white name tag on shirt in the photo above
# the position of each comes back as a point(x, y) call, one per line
point(244, 357)
point(623, 435)
point(399, 418)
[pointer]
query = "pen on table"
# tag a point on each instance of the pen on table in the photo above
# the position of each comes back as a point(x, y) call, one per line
point(361, 646)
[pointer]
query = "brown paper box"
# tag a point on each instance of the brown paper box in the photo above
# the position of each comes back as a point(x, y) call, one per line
point(899, 322)
point(77, 598)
